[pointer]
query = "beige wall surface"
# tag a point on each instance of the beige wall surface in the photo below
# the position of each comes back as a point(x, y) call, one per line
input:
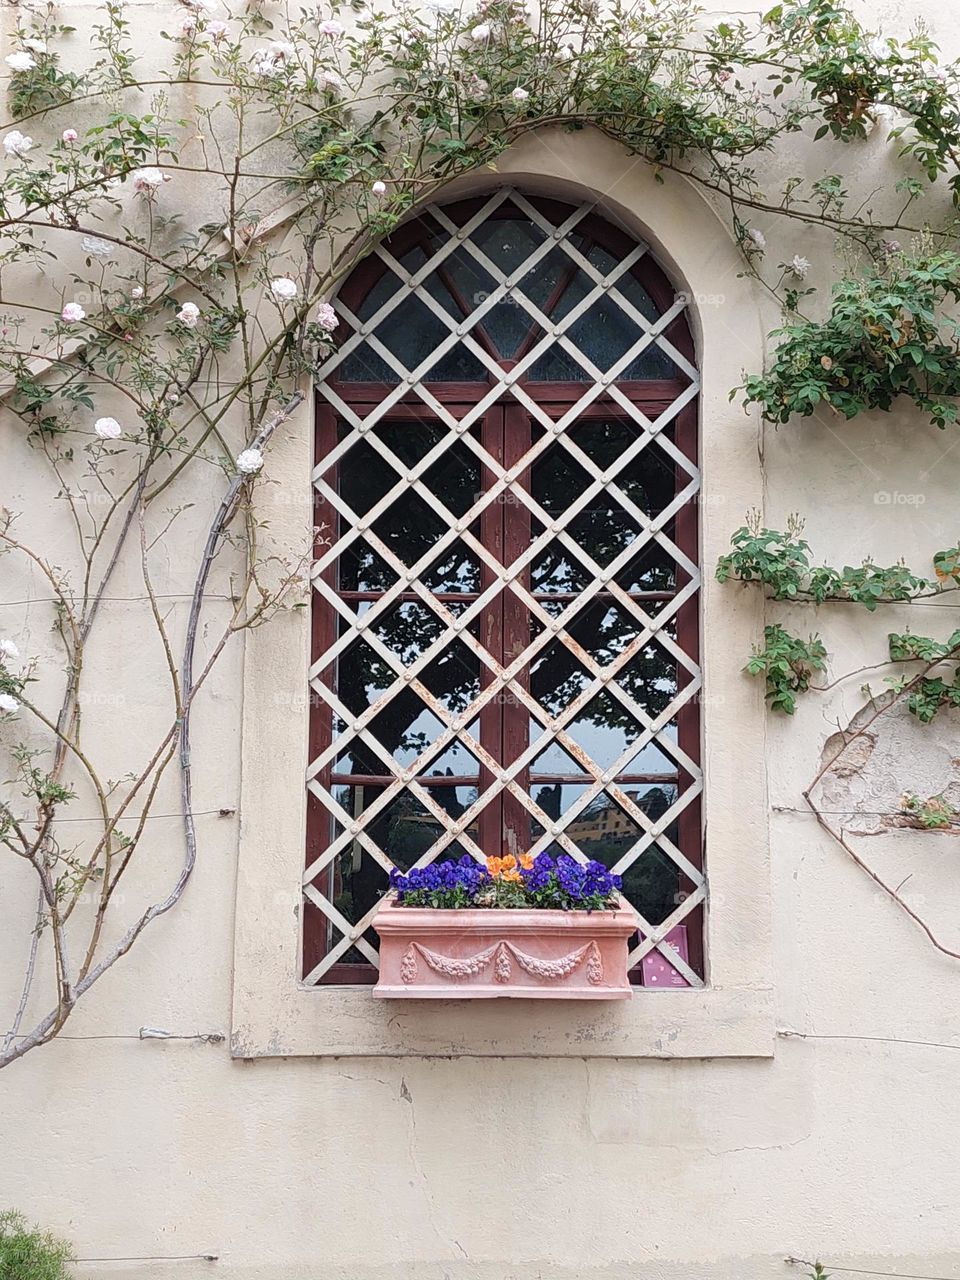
point(841, 1145)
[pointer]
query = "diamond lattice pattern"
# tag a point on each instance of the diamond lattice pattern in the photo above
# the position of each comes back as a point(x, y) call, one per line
point(500, 664)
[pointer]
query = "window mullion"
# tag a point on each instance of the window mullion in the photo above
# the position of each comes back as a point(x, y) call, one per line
point(516, 625)
point(490, 820)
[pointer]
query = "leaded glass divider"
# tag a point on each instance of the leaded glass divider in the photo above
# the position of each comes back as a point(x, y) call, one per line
point(505, 618)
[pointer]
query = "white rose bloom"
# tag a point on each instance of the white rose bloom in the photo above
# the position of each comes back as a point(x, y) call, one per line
point(331, 27)
point(147, 181)
point(879, 49)
point(70, 135)
point(327, 318)
point(519, 95)
point(35, 45)
point(136, 292)
point(379, 188)
point(800, 266)
point(330, 80)
point(757, 239)
point(72, 313)
point(9, 650)
point(108, 429)
point(17, 143)
point(283, 288)
point(217, 29)
point(272, 61)
point(283, 49)
point(188, 25)
point(481, 32)
point(7, 703)
point(20, 61)
point(189, 314)
point(249, 462)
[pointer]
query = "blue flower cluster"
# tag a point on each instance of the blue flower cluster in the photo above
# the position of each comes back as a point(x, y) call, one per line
point(578, 884)
point(459, 880)
point(546, 882)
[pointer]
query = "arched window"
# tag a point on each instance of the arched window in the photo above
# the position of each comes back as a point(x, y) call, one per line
point(505, 614)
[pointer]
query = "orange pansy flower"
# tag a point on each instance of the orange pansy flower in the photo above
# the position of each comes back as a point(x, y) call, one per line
point(526, 861)
point(510, 875)
point(494, 866)
point(508, 862)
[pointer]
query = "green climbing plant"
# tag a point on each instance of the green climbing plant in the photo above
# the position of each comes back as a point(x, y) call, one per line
point(886, 336)
point(787, 663)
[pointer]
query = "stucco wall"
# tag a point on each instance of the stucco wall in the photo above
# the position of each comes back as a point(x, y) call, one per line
point(841, 1146)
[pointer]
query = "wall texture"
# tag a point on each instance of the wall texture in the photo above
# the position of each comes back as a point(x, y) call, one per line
point(840, 1147)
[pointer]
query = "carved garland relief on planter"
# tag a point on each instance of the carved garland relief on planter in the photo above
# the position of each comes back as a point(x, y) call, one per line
point(501, 953)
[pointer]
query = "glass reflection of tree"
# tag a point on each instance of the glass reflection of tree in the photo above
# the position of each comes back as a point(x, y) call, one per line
point(405, 829)
point(652, 882)
point(604, 529)
point(410, 527)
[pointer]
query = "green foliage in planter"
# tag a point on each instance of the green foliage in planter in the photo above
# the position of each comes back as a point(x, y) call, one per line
point(27, 1253)
point(787, 663)
point(885, 337)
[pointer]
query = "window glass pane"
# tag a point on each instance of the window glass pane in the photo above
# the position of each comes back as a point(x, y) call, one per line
point(508, 242)
point(603, 830)
point(410, 525)
point(404, 829)
point(410, 332)
point(604, 332)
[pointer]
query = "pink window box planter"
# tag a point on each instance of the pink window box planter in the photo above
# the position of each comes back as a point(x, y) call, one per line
point(489, 953)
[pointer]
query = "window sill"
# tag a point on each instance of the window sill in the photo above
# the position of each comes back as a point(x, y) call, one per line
point(347, 1022)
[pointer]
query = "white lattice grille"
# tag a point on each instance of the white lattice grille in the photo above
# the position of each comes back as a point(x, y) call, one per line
point(412, 626)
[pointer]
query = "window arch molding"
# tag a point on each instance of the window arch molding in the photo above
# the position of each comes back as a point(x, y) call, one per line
point(273, 1013)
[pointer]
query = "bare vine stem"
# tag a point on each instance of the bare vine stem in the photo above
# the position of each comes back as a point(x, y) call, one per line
point(881, 708)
